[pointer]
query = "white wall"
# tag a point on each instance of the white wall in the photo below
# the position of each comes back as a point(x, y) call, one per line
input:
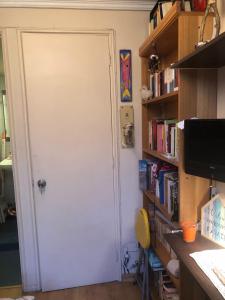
point(221, 85)
point(131, 29)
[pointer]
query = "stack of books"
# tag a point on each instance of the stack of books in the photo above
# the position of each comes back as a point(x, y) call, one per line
point(162, 7)
point(162, 227)
point(163, 82)
point(158, 13)
point(171, 194)
point(163, 137)
point(167, 289)
point(162, 180)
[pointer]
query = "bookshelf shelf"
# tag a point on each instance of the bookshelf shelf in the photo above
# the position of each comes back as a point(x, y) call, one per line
point(173, 96)
point(165, 34)
point(156, 201)
point(210, 55)
point(165, 258)
point(150, 196)
point(162, 156)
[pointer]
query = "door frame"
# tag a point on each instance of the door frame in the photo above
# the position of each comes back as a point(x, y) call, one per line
point(20, 145)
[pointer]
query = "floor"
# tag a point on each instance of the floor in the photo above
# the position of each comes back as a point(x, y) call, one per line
point(109, 291)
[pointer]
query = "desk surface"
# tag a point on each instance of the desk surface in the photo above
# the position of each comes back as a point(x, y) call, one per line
point(183, 250)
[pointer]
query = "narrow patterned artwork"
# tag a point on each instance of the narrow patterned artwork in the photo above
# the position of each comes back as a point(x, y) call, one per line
point(125, 76)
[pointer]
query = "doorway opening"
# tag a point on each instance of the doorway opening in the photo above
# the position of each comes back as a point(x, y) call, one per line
point(10, 274)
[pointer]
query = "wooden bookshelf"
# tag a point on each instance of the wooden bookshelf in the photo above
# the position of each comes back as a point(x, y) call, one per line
point(164, 256)
point(173, 96)
point(176, 37)
point(162, 156)
point(165, 34)
point(211, 55)
point(196, 97)
point(155, 200)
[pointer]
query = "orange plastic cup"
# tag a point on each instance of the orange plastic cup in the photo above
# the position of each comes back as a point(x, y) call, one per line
point(189, 231)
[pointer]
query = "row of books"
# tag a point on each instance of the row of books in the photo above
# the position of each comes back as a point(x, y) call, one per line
point(162, 7)
point(163, 82)
point(162, 180)
point(162, 227)
point(167, 290)
point(158, 13)
point(159, 226)
point(163, 137)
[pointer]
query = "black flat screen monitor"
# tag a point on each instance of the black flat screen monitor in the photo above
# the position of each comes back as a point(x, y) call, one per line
point(204, 148)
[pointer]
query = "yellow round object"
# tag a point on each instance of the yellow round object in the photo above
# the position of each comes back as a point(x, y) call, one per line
point(142, 229)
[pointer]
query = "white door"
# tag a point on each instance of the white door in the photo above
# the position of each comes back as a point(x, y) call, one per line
point(70, 127)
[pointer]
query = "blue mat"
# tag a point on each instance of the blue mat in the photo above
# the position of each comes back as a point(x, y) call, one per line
point(9, 253)
point(10, 268)
point(9, 235)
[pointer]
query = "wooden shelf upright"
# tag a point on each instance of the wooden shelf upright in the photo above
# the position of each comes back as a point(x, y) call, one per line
point(176, 37)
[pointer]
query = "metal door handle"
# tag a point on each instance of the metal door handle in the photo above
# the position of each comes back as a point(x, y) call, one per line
point(41, 184)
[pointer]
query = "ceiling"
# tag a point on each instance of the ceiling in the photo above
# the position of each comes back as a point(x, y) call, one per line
point(144, 5)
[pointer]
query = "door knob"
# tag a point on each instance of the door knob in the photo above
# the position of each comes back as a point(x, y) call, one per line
point(41, 184)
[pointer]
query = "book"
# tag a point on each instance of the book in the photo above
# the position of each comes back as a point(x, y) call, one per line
point(143, 174)
point(164, 8)
point(174, 200)
point(172, 141)
point(163, 136)
point(160, 141)
point(163, 82)
point(176, 143)
point(199, 5)
point(154, 261)
point(169, 287)
point(187, 5)
point(167, 183)
point(168, 124)
point(154, 132)
point(162, 173)
point(170, 188)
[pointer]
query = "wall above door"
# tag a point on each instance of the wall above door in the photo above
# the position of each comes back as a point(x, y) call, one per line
point(82, 4)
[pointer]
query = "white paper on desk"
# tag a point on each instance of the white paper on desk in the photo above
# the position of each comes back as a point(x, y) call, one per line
point(207, 260)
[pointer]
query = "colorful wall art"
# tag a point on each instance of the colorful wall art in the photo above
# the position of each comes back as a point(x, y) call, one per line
point(125, 76)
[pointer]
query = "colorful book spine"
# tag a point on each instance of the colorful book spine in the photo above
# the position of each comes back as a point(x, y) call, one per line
point(163, 136)
point(163, 82)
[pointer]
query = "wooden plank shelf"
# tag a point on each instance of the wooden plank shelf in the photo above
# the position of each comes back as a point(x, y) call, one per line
point(162, 156)
point(173, 96)
point(165, 34)
point(157, 203)
point(211, 55)
point(164, 256)
point(155, 200)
